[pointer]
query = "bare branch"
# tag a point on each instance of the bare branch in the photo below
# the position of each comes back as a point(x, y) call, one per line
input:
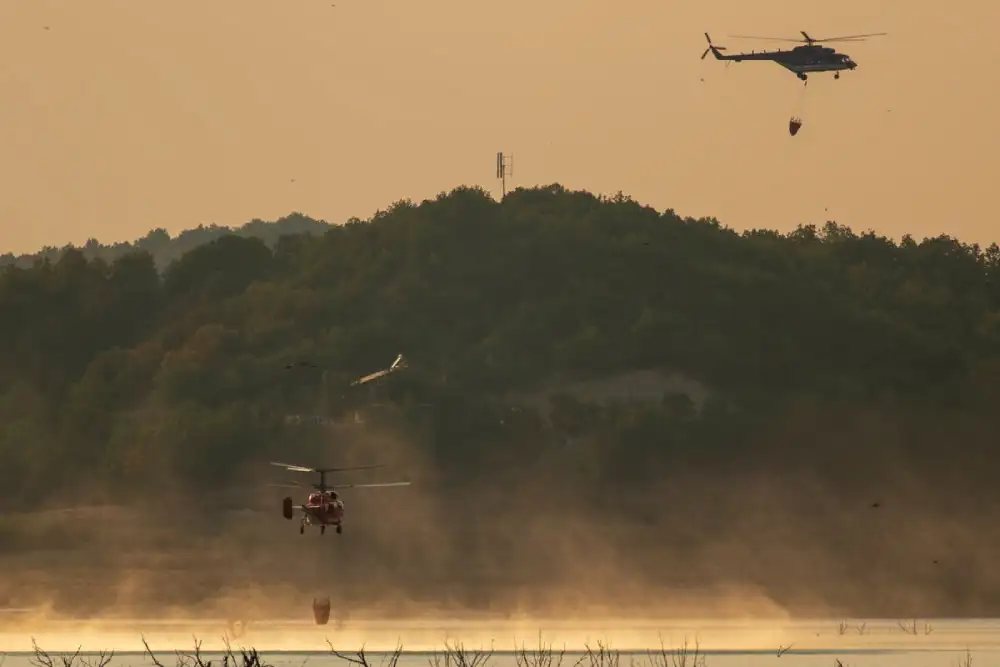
point(456, 654)
point(684, 655)
point(43, 659)
point(782, 650)
point(251, 658)
point(228, 657)
point(543, 656)
point(149, 652)
point(842, 628)
point(192, 659)
point(102, 660)
point(68, 661)
point(393, 659)
point(602, 656)
point(910, 627)
point(359, 658)
point(659, 657)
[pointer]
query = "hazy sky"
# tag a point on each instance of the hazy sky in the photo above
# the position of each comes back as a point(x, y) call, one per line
point(131, 114)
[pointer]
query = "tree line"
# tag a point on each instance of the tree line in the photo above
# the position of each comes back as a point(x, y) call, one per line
point(120, 361)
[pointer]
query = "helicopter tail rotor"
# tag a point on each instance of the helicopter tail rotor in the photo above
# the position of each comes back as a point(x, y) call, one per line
point(711, 47)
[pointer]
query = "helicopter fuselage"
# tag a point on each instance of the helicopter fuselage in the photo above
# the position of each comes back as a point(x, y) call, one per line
point(324, 507)
point(801, 60)
point(321, 509)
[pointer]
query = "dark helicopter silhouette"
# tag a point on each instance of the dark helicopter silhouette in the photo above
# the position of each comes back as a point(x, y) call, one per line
point(802, 60)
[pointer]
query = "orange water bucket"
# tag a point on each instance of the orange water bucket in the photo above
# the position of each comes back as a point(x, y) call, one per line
point(321, 610)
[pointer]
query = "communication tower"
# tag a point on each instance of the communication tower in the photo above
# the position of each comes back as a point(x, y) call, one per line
point(505, 168)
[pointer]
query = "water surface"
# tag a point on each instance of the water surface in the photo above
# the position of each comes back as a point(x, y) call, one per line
point(283, 643)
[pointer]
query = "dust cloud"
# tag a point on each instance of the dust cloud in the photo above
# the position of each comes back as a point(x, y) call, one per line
point(516, 546)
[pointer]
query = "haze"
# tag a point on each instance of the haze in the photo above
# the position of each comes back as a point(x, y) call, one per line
point(123, 116)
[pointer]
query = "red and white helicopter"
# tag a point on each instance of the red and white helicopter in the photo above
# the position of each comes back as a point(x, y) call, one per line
point(323, 507)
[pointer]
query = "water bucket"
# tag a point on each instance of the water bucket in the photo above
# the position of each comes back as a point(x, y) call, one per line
point(321, 610)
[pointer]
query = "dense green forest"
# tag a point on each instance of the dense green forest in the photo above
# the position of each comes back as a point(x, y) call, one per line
point(111, 369)
point(557, 342)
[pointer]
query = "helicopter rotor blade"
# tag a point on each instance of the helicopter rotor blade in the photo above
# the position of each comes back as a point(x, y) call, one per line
point(295, 468)
point(298, 468)
point(369, 486)
point(846, 38)
point(377, 465)
point(810, 40)
point(767, 39)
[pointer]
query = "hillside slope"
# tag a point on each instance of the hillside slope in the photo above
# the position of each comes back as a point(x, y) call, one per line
point(782, 382)
point(488, 300)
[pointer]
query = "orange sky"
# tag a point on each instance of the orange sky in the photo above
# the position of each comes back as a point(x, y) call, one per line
point(132, 114)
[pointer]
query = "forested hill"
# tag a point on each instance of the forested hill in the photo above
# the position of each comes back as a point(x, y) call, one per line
point(165, 249)
point(804, 347)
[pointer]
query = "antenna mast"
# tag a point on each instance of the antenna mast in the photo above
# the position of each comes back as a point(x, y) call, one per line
point(505, 168)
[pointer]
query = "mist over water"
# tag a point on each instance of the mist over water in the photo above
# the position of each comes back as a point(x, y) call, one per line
point(725, 546)
point(735, 560)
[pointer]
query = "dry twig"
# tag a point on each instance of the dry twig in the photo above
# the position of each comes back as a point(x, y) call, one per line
point(360, 658)
point(602, 656)
point(101, 659)
point(684, 656)
point(910, 627)
point(43, 659)
point(543, 656)
point(248, 657)
point(782, 650)
point(456, 655)
point(149, 652)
